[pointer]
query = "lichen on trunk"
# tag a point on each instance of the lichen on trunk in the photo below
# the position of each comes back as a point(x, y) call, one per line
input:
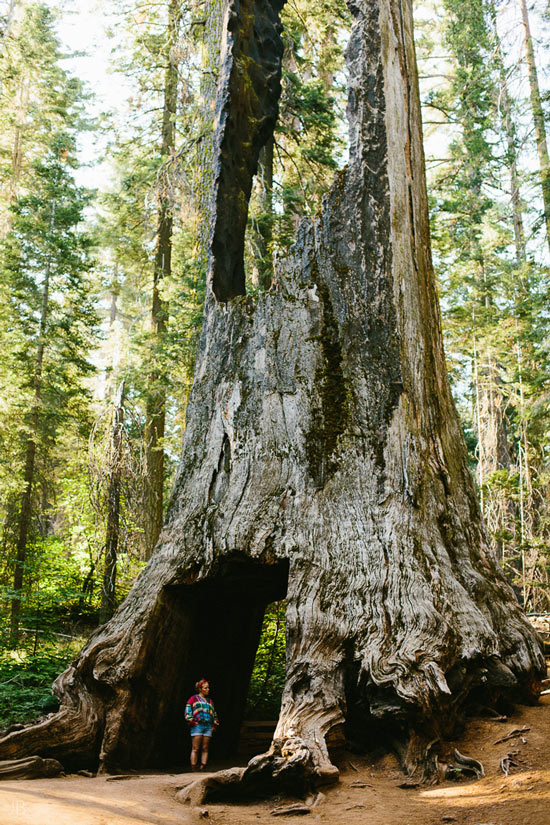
point(323, 458)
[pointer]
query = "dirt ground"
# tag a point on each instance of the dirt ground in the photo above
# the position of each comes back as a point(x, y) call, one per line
point(522, 798)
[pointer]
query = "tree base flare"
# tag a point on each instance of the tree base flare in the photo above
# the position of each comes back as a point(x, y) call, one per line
point(286, 768)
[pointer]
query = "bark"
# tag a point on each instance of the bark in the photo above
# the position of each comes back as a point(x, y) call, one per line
point(156, 396)
point(538, 118)
point(250, 73)
point(113, 510)
point(322, 457)
point(31, 768)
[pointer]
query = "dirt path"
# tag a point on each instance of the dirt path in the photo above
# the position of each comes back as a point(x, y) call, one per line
point(523, 798)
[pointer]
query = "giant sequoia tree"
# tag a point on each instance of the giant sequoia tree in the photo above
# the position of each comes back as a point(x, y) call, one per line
point(322, 459)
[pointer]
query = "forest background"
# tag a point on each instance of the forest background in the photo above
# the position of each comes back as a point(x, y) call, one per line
point(104, 182)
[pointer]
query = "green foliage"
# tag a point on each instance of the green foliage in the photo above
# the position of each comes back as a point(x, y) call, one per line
point(50, 321)
point(493, 292)
point(53, 589)
point(268, 677)
point(26, 679)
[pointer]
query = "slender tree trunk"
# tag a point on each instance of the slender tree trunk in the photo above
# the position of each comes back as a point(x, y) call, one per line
point(114, 292)
point(23, 525)
point(6, 31)
point(263, 221)
point(156, 395)
point(30, 456)
point(113, 510)
point(323, 457)
point(17, 150)
point(510, 133)
point(494, 451)
point(538, 118)
point(517, 214)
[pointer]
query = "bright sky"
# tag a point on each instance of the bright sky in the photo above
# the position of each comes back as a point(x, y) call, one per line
point(82, 29)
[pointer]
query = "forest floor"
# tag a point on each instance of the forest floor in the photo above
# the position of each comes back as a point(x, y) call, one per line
point(522, 798)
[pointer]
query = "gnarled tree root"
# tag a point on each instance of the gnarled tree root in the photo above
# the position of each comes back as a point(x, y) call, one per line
point(33, 767)
point(72, 735)
point(287, 767)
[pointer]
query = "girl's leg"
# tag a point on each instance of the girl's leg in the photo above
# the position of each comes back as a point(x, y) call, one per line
point(204, 755)
point(195, 750)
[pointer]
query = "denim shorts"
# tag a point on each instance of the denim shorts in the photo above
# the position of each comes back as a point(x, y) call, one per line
point(202, 729)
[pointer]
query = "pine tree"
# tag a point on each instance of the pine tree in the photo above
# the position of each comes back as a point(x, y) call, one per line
point(46, 263)
point(149, 231)
point(538, 119)
point(491, 287)
point(33, 86)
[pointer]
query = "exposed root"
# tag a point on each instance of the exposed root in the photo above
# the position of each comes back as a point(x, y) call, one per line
point(31, 768)
point(71, 735)
point(468, 765)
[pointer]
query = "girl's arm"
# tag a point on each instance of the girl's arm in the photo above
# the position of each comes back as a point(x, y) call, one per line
point(189, 711)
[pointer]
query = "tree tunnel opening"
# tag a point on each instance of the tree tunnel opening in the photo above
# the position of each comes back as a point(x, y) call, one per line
point(267, 682)
point(212, 630)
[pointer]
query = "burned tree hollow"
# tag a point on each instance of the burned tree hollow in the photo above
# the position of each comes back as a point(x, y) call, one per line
point(246, 112)
point(322, 444)
point(134, 717)
point(210, 629)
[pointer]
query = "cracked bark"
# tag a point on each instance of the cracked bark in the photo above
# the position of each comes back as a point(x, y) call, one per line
point(322, 457)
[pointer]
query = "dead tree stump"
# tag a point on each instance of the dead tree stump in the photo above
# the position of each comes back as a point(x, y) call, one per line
point(323, 460)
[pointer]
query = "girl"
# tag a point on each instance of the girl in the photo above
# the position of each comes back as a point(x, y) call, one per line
point(203, 720)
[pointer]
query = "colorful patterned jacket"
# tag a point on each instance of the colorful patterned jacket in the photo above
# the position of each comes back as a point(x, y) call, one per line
point(200, 710)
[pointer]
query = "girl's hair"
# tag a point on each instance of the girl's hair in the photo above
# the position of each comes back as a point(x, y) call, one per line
point(200, 683)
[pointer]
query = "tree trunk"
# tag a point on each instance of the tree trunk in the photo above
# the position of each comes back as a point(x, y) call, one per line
point(510, 134)
point(262, 274)
point(253, 33)
point(538, 118)
point(17, 149)
point(494, 455)
point(23, 527)
point(113, 510)
point(322, 457)
point(156, 395)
